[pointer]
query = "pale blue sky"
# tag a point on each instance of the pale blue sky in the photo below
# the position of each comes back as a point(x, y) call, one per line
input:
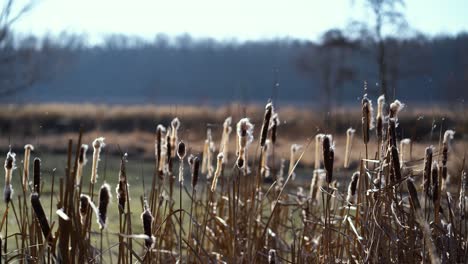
point(240, 19)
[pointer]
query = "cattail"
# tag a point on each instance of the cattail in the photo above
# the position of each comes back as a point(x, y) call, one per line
point(272, 256)
point(392, 132)
point(219, 168)
point(147, 219)
point(435, 182)
point(403, 148)
point(427, 171)
point(81, 163)
point(169, 152)
point(122, 186)
point(266, 123)
point(352, 188)
point(379, 117)
point(181, 152)
point(175, 124)
point(448, 137)
point(37, 176)
point(349, 143)
point(267, 151)
point(160, 131)
point(195, 165)
point(367, 118)
point(206, 151)
point(10, 165)
point(318, 146)
point(27, 156)
point(98, 144)
point(84, 207)
point(413, 194)
point(395, 108)
point(292, 160)
point(462, 197)
point(40, 215)
point(245, 137)
point(104, 199)
point(396, 163)
point(328, 156)
point(274, 127)
point(227, 129)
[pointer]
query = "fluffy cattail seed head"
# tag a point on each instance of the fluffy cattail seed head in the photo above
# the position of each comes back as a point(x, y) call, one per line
point(104, 199)
point(82, 158)
point(245, 137)
point(395, 108)
point(272, 256)
point(84, 207)
point(427, 171)
point(219, 168)
point(274, 127)
point(98, 144)
point(352, 188)
point(435, 182)
point(266, 123)
point(27, 156)
point(227, 129)
point(10, 165)
point(367, 118)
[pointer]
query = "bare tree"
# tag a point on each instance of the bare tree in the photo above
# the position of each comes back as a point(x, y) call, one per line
point(386, 14)
point(19, 68)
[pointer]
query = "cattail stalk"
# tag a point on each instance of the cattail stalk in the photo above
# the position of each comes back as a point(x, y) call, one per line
point(349, 144)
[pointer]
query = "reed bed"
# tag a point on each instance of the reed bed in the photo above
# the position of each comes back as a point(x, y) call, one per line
point(394, 207)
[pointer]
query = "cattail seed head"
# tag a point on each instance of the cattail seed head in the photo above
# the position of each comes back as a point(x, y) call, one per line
point(40, 215)
point(98, 144)
point(147, 219)
point(352, 188)
point(181, 150)
point(349, 143)
point(227, 129)
point(404, 143)
point(328, 156)
point(104, 199)
point(272, 256)
point(395, 108)
point(81, 162)
point(122, 186)
point(274, 127)
point(195, 170)
point(175, 124)
point(367, 118)
point(219, 168)
point(245, 137)
point(266, 123)
point(37, 176)
point(413, 193)
point(435, 182)
point(27, 156)
point(292, 160)
point(84, 207)
point(427, 171)
point(318, 142)
point(10, 165)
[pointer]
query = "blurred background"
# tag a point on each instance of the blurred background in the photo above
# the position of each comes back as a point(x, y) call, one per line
point(121, 67)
